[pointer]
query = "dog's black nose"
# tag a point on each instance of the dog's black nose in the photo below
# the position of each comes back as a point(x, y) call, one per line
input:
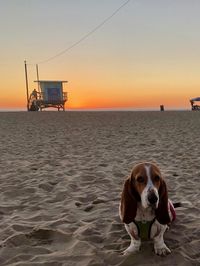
point(152, 198)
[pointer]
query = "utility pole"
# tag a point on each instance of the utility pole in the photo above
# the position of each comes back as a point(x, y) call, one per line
point(37, 77)
point(26, 77)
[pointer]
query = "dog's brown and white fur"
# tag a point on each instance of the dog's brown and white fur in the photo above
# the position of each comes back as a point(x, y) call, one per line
point(144, 197)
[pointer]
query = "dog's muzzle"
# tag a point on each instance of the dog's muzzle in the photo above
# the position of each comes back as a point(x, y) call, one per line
point(152, 198)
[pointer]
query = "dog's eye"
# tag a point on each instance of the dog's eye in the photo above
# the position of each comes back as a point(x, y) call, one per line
point(157, 178)
point(140, 179)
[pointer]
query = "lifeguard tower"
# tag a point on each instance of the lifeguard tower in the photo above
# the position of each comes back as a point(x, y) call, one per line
point(50, 94)
point(194, 105)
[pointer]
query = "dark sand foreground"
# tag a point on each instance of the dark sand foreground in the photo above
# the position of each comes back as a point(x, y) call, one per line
point(61, 174)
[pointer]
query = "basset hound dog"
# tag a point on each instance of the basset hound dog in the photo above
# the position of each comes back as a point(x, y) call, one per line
point(145, 208)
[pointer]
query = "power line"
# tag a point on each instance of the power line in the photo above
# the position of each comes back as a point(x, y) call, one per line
point(86, 35)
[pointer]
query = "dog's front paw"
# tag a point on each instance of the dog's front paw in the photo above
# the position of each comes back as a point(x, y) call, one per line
point(133, 248)
point(162, 250)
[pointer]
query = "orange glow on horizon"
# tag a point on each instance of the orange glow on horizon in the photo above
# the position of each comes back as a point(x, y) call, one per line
point(78, 100)
point(155, 102)
point(97, 96)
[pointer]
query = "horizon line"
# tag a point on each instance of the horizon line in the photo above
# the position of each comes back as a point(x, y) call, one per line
point(100, 109)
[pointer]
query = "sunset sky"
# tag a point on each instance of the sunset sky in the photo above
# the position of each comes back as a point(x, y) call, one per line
point(147, 54)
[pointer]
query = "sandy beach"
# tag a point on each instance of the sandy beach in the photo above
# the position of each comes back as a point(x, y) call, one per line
point(62, 175)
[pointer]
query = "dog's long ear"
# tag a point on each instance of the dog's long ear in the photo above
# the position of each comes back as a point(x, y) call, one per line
point(129, 201)
point(162, 212)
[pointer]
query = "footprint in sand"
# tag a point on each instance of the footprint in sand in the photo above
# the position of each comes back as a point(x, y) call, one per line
point(88, 208)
